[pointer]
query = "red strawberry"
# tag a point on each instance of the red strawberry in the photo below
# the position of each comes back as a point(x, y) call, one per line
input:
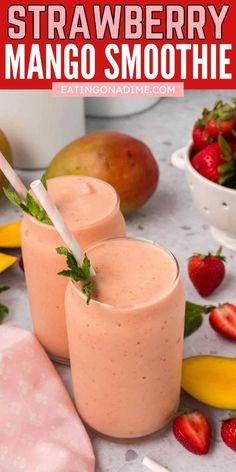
point(201, 138)
point(221, 120)
point(216, 162)
point(226, 127)
point(193, 430)
point(206, 271)
point(228, 432)
point(223, 320)
point(207, 162)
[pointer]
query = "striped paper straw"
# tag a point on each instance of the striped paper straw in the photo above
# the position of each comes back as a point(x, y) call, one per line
point(13, 178)
point(57, 220)
point(153, 465)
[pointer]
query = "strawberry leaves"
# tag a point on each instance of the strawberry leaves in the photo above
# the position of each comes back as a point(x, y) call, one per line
point(227, 169)
point(193, 316)
point(29, 205)
point(77, 272)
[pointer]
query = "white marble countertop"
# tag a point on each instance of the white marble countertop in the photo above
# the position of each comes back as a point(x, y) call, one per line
point(170, 219)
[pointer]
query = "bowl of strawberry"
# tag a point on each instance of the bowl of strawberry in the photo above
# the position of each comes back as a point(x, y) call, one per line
point(209, 161)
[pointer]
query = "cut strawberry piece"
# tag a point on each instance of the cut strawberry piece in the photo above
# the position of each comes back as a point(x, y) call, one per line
point(193, 431)
point(223, 320)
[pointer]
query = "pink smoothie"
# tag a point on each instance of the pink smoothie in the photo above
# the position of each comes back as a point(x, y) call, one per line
point(91, 209)
point(126, 345)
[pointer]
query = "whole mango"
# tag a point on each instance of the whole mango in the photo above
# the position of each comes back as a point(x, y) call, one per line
point(121, 160)
point(6, 151)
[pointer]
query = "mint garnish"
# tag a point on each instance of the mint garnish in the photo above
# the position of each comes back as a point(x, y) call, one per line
point(77, 272)
point(28, 204)
point(193, 316)
point(44, 181)
point(3, 308)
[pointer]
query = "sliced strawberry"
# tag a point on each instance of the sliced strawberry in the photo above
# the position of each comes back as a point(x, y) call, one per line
point(193, 431)
point(228, 432)
point(223, 320)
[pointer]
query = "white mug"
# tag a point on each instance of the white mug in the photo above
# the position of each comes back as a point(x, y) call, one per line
point(38, 125)
point(117, 106)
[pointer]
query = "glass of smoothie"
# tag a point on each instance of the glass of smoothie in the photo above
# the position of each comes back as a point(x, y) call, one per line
point(91, 209)
point(126, 344)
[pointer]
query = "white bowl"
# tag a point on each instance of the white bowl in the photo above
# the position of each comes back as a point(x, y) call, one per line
point(216, 203)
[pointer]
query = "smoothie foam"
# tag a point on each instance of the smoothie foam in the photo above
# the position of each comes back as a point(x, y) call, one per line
point(139, 272)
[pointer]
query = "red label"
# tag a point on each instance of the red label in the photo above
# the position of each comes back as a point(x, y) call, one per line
point(41, 43)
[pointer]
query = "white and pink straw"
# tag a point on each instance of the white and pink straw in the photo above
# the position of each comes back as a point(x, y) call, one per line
point(48, 205)
point(57, 220)
point(153, 465)
point(13, 178)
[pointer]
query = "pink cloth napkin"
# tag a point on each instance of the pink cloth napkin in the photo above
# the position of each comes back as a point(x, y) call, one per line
point(40, 430)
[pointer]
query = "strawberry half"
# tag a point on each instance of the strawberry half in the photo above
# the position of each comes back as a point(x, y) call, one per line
point(228, 432)
point(223, 320)
point(193, 430)
point(216, 162)
point(206, 271)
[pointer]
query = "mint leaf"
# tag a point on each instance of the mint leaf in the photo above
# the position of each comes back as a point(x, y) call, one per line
point(62, 250)
point(3, 288)
point(44, 181)
point(193, 316)
point(66, 273)
point(76, 272)
point(3, 308)
point(32, 205)
point(86, 266)
point(12, 196)
point(36, 211)
point(3, 312)
point(24, 208)
point(87, 289)
point(29, 206)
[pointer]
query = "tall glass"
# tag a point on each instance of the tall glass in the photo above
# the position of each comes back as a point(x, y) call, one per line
point(92, 212)
point(126, 344)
